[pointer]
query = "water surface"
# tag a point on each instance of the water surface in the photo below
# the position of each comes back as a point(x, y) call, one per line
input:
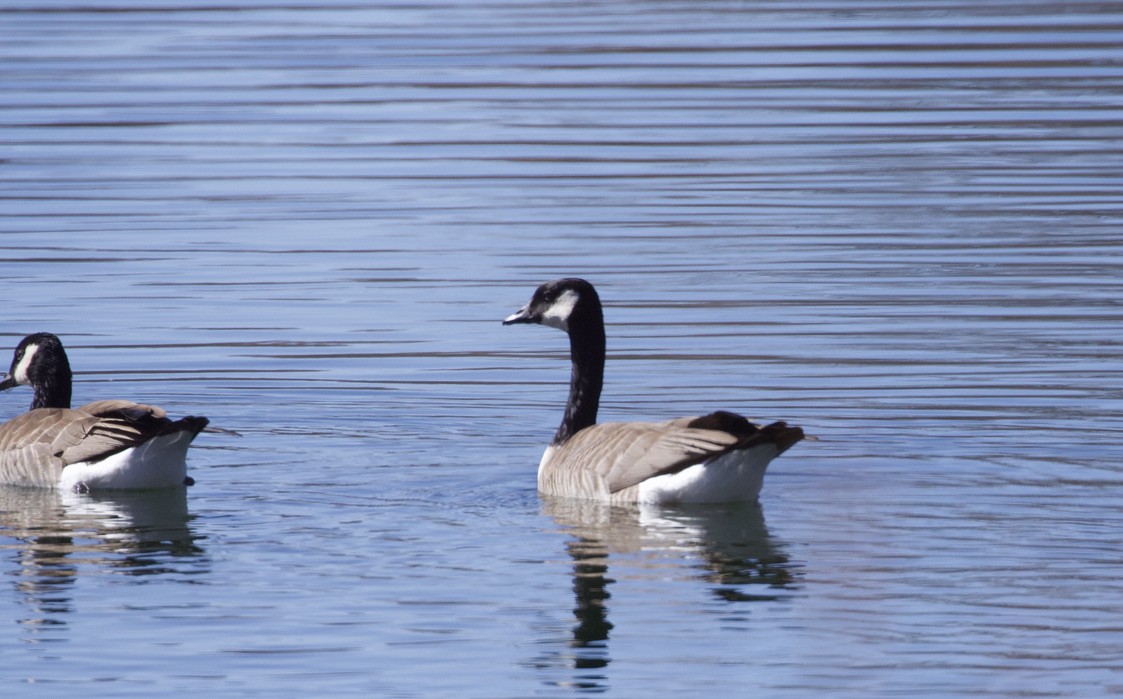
point(897, 225)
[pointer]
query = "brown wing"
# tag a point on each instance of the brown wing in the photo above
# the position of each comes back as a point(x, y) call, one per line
point(104, 437)
point(125, 409)
point(149, 420)
point(37, 445)
point(623, 454)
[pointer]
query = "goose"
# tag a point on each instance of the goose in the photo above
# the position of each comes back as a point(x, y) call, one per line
point(107, 444)
point(720, 457)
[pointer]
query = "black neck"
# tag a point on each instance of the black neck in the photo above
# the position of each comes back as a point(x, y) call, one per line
point(586, 350)
point(50, 376)
point(54, 392)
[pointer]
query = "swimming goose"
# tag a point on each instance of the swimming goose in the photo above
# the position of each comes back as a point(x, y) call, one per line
point(107, 444)
point(718, 457)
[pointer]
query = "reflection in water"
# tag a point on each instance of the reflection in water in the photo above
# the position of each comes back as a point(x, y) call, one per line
point(53, 536)
point(590, 586)
point(738, 557)
point(735, 555)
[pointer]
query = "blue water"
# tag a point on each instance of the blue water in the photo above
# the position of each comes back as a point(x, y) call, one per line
point(897, 225)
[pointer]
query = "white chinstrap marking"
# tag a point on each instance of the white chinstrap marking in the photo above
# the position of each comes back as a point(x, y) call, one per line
point(24, 365)
point(557, 315)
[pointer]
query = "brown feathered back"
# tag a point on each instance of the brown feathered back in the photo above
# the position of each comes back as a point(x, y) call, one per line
point(36, 446)
point(608, 457)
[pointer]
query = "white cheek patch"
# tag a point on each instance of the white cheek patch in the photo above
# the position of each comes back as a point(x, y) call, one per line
point(557, 315)
point(20, 372)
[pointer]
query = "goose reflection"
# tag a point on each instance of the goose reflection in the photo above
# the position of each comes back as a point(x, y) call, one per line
point(727, 548)
point(50, 537)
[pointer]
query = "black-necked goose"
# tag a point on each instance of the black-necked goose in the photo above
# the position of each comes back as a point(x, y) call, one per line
point(718, 457)
point(107, 444)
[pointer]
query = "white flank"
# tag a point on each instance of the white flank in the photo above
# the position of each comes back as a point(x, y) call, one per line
point(20, 372)
point(736, 476)
point(158, 463)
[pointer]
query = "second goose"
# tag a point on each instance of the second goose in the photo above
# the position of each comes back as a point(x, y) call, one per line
point(718, 457)
point(107, 444)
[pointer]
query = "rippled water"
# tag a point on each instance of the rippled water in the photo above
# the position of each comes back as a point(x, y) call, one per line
point(898, 225)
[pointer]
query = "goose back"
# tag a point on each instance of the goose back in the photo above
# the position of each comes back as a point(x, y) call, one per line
point(36, 446)
point(608, 461)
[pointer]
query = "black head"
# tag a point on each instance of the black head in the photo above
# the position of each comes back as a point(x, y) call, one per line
point(558, 302)
point(40, 361)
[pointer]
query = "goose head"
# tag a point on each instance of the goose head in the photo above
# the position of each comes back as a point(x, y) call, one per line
point(41, 362)
point(558, 304)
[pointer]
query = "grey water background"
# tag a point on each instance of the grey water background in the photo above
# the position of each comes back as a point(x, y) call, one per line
point(897, 224)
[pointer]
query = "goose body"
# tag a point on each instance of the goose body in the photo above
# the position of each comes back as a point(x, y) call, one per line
point(107, 444)
point(719, 457)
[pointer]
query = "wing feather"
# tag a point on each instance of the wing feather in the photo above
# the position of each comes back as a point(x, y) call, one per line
point(35, 446)
point(609, 457)
point(32, 444)
point(622, 454)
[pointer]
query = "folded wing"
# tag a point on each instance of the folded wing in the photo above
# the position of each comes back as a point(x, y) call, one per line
point(37, 445)
point(622, 454)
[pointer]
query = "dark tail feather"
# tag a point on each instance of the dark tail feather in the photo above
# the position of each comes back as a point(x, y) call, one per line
point(192, 424)
point(749, 433)
point(782, 435)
